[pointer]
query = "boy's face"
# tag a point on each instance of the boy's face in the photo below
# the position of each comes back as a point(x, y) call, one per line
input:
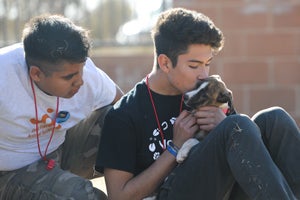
point(64, 83)
point(191, 67)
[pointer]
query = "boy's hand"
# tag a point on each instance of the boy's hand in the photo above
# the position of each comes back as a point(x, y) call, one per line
point(184, 128)
point(209, 117)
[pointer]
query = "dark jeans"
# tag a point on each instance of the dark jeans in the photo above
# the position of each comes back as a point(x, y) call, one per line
point(240, 159)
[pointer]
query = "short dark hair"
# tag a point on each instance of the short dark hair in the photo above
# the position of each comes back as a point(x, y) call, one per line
point(52, 39)
point(178, 28)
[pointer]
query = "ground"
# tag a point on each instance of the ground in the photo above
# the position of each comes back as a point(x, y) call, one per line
point(99, 183)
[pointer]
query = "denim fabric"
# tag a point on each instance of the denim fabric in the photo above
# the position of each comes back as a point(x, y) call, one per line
point(259, 160)
point(281, 136)
point(75, 161)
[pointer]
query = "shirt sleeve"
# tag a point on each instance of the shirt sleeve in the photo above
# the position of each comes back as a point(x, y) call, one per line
point(118, 144)
point(104, 87)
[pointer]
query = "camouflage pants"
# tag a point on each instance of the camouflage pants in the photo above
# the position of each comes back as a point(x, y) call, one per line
point(75, 161)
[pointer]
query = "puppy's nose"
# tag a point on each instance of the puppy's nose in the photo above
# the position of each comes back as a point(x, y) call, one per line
point(223, 97)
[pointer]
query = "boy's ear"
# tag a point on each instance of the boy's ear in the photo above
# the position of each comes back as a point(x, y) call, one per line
point(35, 73)
point(164, 62)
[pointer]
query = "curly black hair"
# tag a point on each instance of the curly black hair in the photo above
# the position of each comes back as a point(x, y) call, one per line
point(52, 39)
point(178, 28)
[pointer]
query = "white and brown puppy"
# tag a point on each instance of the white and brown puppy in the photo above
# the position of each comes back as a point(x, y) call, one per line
point(211, 91)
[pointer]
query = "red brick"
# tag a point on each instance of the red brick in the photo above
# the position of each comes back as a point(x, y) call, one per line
point(125, 70)
point(235, 45)
point(287, 72)
point(288, 18)
point(263, 98)
point(234, 18)
point(271, 44)
point(250, 72)
point(297, 42)
point(238, 99)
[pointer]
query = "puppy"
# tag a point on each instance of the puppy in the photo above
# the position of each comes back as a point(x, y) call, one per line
point(211, 91)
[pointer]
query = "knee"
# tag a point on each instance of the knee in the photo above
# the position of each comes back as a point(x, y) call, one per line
point(269, 113)
point(84, 189)
point(242, 120)
point(239, 129)
point(68, 185)
point(239, 124)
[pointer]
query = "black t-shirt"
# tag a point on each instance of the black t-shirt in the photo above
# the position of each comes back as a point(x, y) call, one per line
point(130, 139)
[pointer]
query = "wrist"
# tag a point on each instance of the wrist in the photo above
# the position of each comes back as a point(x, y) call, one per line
point(172, 148)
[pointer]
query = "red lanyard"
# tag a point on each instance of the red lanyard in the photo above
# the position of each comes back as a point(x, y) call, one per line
point(50, 162)
point(156, 115)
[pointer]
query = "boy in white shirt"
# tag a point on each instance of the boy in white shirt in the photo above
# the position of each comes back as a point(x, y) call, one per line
point(53, 99)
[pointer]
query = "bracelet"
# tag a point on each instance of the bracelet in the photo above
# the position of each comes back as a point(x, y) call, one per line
point(172, 148)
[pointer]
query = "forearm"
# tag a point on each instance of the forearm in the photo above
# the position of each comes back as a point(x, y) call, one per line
point(145, 183)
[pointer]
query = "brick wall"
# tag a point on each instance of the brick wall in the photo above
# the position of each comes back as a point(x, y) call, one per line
point(260, 61)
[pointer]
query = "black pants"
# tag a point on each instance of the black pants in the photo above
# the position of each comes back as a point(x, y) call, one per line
point(241, 159)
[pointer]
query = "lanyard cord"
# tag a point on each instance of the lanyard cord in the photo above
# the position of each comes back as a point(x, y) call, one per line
point(37, 121)
point(156, 115)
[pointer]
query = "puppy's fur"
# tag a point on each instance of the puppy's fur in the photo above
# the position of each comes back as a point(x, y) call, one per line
point(211, 91)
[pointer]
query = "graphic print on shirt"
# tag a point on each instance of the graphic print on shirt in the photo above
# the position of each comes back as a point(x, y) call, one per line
point(155, 140)
point(45, 124)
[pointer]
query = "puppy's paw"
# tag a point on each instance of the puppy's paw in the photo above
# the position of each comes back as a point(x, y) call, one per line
point(185, 149)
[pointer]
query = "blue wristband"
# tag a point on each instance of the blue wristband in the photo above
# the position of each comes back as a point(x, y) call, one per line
point(172, 149)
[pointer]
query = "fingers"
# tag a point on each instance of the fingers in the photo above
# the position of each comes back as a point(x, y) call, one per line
point(182, 115)
point(184, 128)
point(209, 117)
point(186, 120)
